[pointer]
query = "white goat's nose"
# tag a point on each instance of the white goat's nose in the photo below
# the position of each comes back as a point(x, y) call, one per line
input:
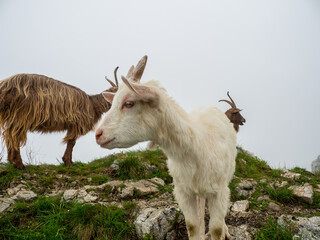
point(99, 133)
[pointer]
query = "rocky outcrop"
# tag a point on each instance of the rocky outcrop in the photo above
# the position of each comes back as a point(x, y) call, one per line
point(315, 165)
point(304, 193)
point(308, 228)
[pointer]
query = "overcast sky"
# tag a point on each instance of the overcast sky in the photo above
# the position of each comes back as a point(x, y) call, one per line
point(266, 53)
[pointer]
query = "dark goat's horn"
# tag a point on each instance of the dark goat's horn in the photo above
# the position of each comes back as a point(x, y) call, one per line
point(115, 76)
point(232, 104)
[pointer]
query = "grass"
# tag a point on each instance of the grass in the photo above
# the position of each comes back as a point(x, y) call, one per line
point(48, 218)
point(272, 231)
point(282, 195)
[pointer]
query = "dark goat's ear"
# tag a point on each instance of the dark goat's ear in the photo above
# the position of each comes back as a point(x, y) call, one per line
point(108, 96)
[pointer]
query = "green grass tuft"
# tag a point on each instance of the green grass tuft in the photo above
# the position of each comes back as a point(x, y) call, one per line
point(272, 231)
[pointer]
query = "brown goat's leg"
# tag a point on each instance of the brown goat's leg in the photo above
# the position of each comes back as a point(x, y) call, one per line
point(17, 159)
point(14, 156)
point(67, 157)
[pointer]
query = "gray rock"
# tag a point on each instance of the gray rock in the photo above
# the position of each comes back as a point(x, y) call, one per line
point(315, 165)
point(246, 188)
point(156, 223)
point(304, 193)
point(27, 176)
point(114, 167)
point(5, 204)
point(308, 228)
point(24, 195)
point(157, 181)
point(240, 206)
point(263, 198)
point(273, 207)
point(240, 232)
point(69, 194)
point(290, 175)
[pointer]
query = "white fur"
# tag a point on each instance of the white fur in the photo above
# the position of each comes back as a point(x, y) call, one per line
point(201, 150)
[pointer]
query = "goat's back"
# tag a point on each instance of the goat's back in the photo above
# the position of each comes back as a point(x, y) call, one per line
point(39, 103)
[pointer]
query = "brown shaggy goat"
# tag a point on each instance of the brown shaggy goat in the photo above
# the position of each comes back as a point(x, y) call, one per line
point(234, 113)
point(36, 103)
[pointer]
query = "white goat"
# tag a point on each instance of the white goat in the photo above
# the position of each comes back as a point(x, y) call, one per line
point(201, 147)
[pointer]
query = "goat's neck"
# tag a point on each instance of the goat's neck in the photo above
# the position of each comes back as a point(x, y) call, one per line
point(175, 134)
point(100, 105)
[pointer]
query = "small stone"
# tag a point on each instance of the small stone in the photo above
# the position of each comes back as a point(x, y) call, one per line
point(89, 179)
point(114, 167)
point(263, 180)
point(290, 175)
point(27, 176)
point(273, 207)
point(263, 198)
point(4, 206)
point(240, 206)
point(24, 195)
point(157, 181)
point(240, 232)
point(70, 194)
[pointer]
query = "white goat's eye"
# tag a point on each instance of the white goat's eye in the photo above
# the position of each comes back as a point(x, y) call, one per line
point(128, 104)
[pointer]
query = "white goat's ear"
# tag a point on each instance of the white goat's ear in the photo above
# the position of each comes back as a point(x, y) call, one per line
point(108, 96)
point(138, 70)
point(144, 92)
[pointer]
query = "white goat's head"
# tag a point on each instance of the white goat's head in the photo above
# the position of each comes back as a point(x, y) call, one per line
point(132, 115)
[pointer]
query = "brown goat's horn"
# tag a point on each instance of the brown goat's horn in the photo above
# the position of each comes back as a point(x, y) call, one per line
point(115, 75)
point(115, 78)
point(112, 84)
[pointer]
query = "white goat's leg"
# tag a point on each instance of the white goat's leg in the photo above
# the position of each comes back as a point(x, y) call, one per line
point(201, 202)
point(189, 206)
point(218, 207)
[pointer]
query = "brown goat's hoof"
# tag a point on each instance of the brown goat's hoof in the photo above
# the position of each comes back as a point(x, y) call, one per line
point(20, 167)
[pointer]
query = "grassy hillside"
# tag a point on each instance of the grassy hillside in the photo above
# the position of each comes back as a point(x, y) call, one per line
point(48, 216)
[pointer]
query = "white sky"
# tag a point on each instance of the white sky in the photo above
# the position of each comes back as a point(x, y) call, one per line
point(266, 53)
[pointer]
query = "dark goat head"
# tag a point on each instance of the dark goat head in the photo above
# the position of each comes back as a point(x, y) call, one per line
point(234, 113)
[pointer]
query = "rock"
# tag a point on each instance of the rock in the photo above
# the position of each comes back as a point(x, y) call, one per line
point(55, 193)
point(246, 188)
point(315, 165)
point(16, 189)
point(157, 181)
point(308, 228)
point(126, 192)
point(24, 195)
point(114, 167)
point(263, 198)
point(155, 222)
point(282, 184)
point(5, 204)
point(263, 180)
point(273, 207)
point(290, 175)
point(240, 232)
point(69, 194)
point(27, 176)
point(304, 193)
point(89, 179)
point(240, 206)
